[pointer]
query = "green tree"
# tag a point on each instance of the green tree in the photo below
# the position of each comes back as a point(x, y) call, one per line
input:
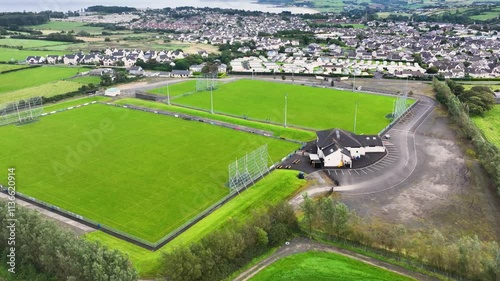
point(477, 100)
point(432, 70)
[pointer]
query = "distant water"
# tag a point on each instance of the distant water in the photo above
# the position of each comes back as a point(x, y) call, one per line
point(67, 5)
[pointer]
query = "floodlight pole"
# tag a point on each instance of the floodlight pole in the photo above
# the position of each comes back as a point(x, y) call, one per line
point(354, 82)
point(211, 100)
point(168, 94)
point(355, 115)
point(286, 105)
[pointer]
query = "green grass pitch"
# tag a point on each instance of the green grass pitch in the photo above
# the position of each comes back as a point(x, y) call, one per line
point(490, 125)
point(176, 89)
point(320, 266)
point(139, 172)
point(311, 107)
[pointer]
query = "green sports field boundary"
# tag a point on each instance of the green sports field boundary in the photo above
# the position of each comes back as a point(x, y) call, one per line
point(153, 246)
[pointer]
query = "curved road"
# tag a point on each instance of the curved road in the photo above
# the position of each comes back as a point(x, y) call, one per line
point(394, 169)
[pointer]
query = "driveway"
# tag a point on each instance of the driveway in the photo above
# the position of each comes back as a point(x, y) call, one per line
point(393, 169)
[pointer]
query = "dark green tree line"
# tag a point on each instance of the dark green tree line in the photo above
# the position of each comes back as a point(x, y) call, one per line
point(41, 246)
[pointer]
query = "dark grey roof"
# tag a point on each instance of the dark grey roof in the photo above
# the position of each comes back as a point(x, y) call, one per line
point(181, 72)
point(370, 140)
point(341, 137)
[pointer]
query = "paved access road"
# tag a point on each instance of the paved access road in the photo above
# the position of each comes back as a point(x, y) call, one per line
point(394, 169)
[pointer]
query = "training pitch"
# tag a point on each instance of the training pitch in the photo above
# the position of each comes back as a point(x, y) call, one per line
point(324, 266)
point(310, 107)
point(142, 173)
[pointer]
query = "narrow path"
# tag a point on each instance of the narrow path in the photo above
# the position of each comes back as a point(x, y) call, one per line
point(300, 245)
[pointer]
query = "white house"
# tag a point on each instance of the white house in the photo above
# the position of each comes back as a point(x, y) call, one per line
point(71, 59)
point(338, 148)
point(53, 59)
point(35, 59)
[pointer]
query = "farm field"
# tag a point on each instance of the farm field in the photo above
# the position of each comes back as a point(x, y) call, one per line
point(86, 80)
point(320, 266)
point(6, 67)
point(49, 107)
point(46, 90)
point(33, 77)
point(490, 125)
point(10, 54)
point(56, 26)
point(138, 172)
point(27, 43)
point(487, 15)
point(277, 186)
point(493, 86)
point(311, 107)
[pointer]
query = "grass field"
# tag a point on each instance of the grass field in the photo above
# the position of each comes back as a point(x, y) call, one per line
point(46, 90)
point(33, 77)
point(87, 80)
point(487, 15)
point(279, 185)
point(6, 67)
point(49, 107)
point(311, 107)
point(138, 172)
point(278, 130)
point(176, 89)
point(27, 43)
point(56, 26)
point(490, 125)
point(9, 54)
point(320, 266)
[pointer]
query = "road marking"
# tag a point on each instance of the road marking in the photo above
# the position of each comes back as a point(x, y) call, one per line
point(364, 172)
point(342, 172)
point(349, 171)
point(356, 172)
point(373, 167)
point(370, 170)
point(335, 172)
point(328, 172)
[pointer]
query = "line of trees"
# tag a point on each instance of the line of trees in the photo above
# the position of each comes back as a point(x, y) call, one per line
point(41, 246)
point(477, 101)
point(468, 256)
point(488, 153)
point(51, 37)
point(110, 9)
point(224, 251)
point(22, 19)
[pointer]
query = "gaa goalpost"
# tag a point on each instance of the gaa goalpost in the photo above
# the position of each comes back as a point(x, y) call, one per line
point(246, 170)
point(21, 111)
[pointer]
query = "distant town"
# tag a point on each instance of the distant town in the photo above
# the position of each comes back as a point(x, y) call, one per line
point(272, 43)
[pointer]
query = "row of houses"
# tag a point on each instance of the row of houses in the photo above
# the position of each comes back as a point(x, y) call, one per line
point(109, 57)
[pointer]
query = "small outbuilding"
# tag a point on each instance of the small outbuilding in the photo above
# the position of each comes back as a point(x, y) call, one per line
point(112, 92)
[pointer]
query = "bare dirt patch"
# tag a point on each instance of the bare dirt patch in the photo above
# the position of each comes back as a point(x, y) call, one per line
point(448, 191)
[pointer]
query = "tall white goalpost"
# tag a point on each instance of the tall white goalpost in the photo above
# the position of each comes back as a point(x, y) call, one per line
point(246, 170)
point(21, 111)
